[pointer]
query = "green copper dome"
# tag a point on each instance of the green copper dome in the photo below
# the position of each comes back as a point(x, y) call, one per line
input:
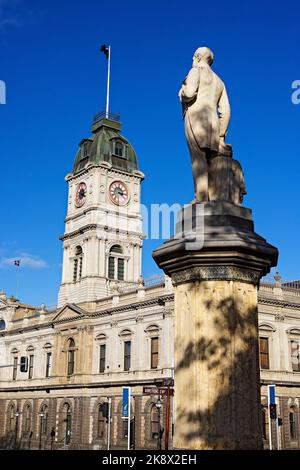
point(106, 145)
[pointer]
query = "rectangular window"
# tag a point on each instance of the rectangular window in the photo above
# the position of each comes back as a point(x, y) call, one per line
point(120, 269)
point(48, 364)
point(295, 356)
point(102, 358)
point(85, 150)
point(15, 368)
point(119, 149)
point(293, 429)
point(111, 267)
point(71, 361)
point(154, 353)
point(264, 353)
point(30, 373)
point(127, 355)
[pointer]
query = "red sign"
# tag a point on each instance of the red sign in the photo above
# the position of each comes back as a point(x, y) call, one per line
point(150, 390)
point(157, 391)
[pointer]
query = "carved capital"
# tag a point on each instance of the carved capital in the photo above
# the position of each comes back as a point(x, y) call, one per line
point(216, 273)
point(168, 313)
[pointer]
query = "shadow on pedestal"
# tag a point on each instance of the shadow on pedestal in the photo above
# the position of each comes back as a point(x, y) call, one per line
point(216, 261)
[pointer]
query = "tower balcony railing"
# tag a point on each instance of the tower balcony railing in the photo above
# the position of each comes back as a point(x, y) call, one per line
point(104, 115)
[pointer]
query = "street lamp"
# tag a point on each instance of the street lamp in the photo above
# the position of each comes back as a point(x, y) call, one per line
point(17, 414)
point(41, 415)
point(158, 405)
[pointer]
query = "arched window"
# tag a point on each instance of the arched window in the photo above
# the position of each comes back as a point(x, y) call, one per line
point(265, 421)
point(27, 418)
point(44, 419)
point(154, 425)
point(2, 325)
point(67, 420)
point(119, 149)
point(84, 149)
point(100, 422)
point(11, 418)
point(293, 422)
point(116, 263)
point(71, 356)
point(77, 270)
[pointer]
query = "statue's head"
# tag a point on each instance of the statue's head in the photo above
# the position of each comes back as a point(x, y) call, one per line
point(203, 53)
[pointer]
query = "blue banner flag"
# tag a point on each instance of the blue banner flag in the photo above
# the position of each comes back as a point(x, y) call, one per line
point(271, 395)
point(125, 402)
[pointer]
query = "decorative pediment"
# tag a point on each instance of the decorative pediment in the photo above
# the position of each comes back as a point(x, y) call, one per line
point(266, 327)
point(152, 330)
point(101, 337)
point(294, 331)
point(126, 333)
point(69, 312)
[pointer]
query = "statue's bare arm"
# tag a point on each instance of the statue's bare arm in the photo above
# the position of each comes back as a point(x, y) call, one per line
point(190, 86)
point(224, 113)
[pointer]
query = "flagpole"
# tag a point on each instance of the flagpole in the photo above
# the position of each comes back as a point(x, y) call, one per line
point(18, 284)
point(108, 84)
point(17, 264)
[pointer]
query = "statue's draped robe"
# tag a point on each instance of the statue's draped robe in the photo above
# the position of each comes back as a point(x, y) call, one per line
point(206, 109)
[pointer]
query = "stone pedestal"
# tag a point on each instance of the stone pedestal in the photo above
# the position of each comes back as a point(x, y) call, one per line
point(217, 382)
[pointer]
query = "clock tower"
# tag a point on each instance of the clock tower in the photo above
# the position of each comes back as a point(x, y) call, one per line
point(103, 229)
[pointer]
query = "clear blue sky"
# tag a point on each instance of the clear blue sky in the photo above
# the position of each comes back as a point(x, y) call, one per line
point(55, 80)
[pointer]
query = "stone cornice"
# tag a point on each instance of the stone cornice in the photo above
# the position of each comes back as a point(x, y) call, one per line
point(138, 176)
point(284, 383)
point(135, 305)
point(112, 210)
point(277, 302)
point(126, 382)
point(101, 384)
point(105, 228)
point(107, 312)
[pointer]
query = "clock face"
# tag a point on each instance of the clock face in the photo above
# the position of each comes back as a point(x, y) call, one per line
point(119, 193)
point(80, 196)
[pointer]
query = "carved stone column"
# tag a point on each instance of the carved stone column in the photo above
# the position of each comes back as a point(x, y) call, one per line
point(217, 396)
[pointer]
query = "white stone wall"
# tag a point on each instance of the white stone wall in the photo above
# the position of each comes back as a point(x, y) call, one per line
point(96, 226)
point(279, 320)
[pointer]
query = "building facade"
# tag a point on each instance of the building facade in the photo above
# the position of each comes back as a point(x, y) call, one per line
point(111, 329)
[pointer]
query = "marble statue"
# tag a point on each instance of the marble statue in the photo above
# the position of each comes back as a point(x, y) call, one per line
point(206, 112)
